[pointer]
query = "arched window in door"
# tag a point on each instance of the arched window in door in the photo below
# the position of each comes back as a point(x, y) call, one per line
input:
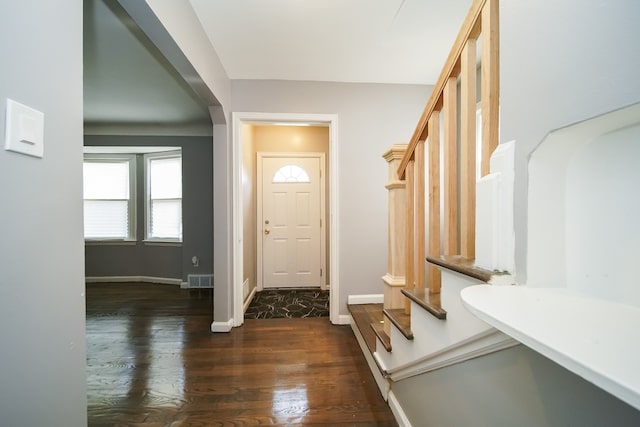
point(291, 173)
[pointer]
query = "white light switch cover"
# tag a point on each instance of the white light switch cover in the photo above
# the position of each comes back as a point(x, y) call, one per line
point(24, 131)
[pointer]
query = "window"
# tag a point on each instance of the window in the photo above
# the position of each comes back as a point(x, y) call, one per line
point(109, 195)
point(291, 173)
point(164, 196)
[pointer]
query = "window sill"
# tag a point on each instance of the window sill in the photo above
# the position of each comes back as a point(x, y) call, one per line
point(162, 243)
point(110, 242)
point(591, 337)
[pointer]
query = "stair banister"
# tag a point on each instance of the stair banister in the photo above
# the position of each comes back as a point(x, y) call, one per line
point(459, 169)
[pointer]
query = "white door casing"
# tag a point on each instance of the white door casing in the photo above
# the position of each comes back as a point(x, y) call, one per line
point(290, 220)
point(235, 228)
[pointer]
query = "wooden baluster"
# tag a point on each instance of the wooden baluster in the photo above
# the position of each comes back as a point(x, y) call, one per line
point(434, 199)
point(409, 277)
point(419, 217)
point(490, 82)
point(450, 105)
point(468, 150)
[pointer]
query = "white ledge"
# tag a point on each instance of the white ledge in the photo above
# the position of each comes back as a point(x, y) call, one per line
point(594, 338)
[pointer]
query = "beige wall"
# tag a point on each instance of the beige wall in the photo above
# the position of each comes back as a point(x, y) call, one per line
point(271, 139)
point(249, 205)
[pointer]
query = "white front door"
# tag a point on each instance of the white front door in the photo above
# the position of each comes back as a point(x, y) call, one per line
point(289, 223)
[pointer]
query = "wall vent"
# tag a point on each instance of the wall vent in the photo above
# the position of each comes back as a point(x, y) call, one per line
point(199, 281)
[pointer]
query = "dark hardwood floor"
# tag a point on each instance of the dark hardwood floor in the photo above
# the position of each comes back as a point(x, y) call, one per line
point(152, 361)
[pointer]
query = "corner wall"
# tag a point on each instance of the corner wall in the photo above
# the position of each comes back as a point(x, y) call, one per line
point(42, 374)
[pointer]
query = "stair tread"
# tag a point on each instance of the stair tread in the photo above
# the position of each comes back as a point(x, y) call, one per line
point(430, 302)
point(401, 320)
point(363, 316)
point(378, 329)
point(464, 266)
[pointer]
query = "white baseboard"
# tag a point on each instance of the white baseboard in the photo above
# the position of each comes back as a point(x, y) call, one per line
point(397, 410)
point(248, 300)
point(122, 279)
point(222, 326)
point(366, 299)
point(343, 319)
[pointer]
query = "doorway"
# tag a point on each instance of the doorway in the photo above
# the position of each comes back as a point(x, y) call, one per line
point(290, 220)
point(244, 230)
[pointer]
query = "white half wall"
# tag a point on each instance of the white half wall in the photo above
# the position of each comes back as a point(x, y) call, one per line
point(561, 62)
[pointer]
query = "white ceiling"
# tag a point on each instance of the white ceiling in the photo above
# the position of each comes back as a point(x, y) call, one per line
point(373, 41)
point(127, 80)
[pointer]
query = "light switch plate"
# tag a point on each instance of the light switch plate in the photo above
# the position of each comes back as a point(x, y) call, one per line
point(24, 131)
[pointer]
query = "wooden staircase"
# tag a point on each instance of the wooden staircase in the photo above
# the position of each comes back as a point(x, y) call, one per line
point(422, 324)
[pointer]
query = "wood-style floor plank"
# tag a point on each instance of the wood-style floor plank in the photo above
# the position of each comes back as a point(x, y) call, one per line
point(152, 361)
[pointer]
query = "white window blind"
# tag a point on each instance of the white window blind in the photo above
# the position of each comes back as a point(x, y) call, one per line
point(108, 198)
point(164, 198)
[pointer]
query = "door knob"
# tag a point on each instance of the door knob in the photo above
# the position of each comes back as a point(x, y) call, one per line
point(267, 231)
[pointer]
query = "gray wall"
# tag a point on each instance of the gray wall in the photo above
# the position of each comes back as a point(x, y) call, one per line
point(371, 117)
point(513, 387)
point(42, 373)
point(561, 62)
point(197, 211)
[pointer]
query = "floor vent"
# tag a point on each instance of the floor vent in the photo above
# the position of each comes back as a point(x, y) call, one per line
point(200, 280)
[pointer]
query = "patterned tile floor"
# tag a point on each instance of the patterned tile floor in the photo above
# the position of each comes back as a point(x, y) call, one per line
point(291, 303)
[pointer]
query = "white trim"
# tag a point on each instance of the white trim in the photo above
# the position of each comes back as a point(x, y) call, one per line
point(366, 299)
point(132, 201)
point(249, 299)
point(397, 410)
point(343, 319)
point(476, 346)
point(161, 242)
point(123, 279)
point(260, 155)
point(238, 119)
point(222, 326)
point(110, 242)
point(147, 159)
point(184, 285)
point(591, 337)
point(383, 384)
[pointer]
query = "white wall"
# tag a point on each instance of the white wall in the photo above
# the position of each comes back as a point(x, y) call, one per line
point(561, 62)
point(603, 208)
point(42, 350)
point(370, 119)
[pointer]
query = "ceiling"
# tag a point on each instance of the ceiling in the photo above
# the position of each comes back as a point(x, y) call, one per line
point(372, 41)
point(127, 81)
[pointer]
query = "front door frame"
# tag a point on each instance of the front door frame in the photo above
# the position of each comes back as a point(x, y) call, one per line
point(241, 118)
point(259, 199)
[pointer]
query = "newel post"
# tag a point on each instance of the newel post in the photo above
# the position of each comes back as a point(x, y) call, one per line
point(394, 280)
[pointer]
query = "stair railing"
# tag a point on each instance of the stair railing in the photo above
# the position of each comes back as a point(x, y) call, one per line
point(456, 228)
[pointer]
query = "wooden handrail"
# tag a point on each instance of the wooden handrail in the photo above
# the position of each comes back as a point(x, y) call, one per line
point(459, 149)
point(470, 30)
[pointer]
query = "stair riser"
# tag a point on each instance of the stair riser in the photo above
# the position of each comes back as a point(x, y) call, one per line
point(432, 335)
